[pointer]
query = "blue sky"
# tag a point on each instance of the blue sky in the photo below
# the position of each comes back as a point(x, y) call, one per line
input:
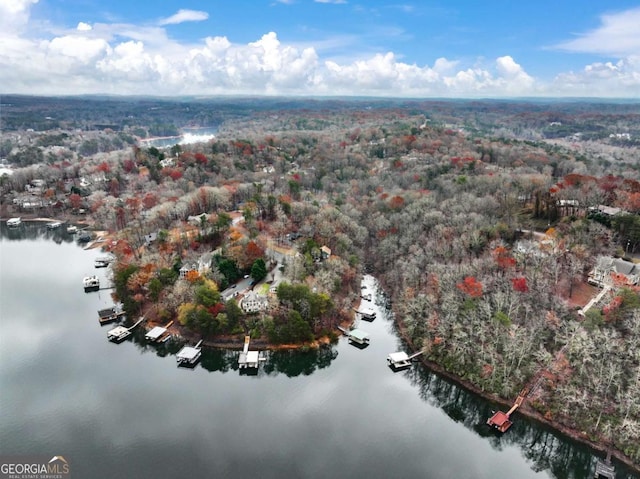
point(454, 48)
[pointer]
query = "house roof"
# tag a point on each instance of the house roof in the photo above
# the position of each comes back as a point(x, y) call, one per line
point(359, 334)
point(607, 210)
point(188, 353)
point(617, 265)
point(400, 356)
point(156, 332)
point(253, 296)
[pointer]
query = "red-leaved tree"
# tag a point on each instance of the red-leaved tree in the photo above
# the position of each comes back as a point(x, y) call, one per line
point(520, 284)
point(471, 286)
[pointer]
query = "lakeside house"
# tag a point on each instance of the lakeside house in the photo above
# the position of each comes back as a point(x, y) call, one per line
point(198, 219)
point(253, 302)
point(606, 268)
point(187, 268)
point(150, 238)
point(204, 262)
point(609, 211)
point(201, 266)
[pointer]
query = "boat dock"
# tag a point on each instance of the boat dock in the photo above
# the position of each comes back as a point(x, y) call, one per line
point(103, 261)
point(120, 333)
point(249, 359)
point(368, 314)
point(604, 469)
point(109, 315)
point(502, 420)
point(157, 333)
point(401, 360)
point(189, 355)
point(356, 336)
point(91, 283)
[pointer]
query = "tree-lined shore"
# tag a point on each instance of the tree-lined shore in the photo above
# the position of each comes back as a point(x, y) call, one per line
point(482, 224)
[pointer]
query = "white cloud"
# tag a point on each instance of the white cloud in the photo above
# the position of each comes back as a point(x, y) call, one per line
point(184, 15)
point(139, 59)
point(78, 47)
point(336, 2)
point(443, 66)
point(618, 35)
point(14, 14)
point(517, 80)
point(15, 7)
point(621, 79)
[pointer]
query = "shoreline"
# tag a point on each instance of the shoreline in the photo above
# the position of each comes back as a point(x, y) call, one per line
point(525, 410)
point(232, 343)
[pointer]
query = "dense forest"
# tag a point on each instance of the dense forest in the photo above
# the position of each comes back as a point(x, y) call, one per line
point(482, 220)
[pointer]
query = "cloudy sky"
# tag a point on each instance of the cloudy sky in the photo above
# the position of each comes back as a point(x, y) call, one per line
point(408, 48)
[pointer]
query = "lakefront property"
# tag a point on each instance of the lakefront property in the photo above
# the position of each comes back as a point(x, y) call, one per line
point(506, 251)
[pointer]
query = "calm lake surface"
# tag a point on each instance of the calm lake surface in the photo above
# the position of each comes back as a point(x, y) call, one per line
point(188, 136)
point(126, 410)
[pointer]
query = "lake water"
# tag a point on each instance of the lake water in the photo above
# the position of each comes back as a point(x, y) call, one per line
point(126, 410)
point(189, 136)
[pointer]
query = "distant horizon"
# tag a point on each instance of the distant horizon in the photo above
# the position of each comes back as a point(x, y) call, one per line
point(336, 48)
point(524, 99)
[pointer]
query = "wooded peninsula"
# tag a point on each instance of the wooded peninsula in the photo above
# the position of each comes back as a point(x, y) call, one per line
point(506, 234)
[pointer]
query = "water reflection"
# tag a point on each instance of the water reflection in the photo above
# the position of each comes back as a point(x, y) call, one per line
point(296, 363)
point(32, 230)
point(370, 421)
point(544, 448)
point(291, 363)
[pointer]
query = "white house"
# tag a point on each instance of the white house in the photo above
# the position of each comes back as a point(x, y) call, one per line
point(606, 266)
point(167, 162)
point(186, 268)
point(253, 302)
point(204, 263)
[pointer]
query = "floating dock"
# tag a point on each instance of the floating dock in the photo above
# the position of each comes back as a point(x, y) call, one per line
point(120, 333)
point(54, 225)
point(91, 283)
point(358, 336)
point(249, 359)
point(157, 334)
point(501, 420)
point(401, 360)
point(604, 469)
point(189, 355)
point(103, 261)
point(109, 315)
point(368, 314)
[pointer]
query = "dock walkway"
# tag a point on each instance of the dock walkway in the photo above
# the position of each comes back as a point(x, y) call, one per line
point(249, 359)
